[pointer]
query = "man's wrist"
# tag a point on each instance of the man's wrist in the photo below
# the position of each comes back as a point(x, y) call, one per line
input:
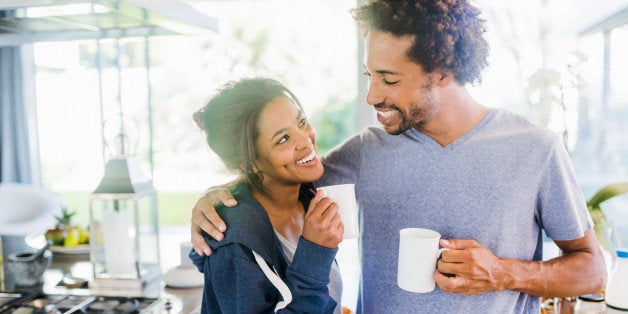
point(223, 187)
point(508, 279)
point(213, 189)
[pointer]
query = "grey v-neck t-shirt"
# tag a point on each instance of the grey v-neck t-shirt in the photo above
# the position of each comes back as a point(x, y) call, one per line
point(500, 184)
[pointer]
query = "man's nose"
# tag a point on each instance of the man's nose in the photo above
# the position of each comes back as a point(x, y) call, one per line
point(373, 95)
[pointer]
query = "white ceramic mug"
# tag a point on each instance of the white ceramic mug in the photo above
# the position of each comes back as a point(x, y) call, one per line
point(344, 196)
point(418, 253)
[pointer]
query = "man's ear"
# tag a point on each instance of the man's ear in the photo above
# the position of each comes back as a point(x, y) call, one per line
point(443, 78)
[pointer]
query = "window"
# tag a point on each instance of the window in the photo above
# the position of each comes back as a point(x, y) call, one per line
point(74, 98)
point(601, 154)
point(317, 61)
point(564, 69)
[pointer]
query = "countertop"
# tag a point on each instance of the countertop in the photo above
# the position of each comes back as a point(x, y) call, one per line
point(181, 300)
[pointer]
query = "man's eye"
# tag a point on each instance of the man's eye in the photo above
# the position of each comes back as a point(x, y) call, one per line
point(389, 82)
point(302, 122)
point(283, 139)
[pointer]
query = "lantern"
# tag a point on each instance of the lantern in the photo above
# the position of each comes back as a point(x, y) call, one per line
point(124, 235)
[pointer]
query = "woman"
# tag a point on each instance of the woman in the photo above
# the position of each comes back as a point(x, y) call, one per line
point(258, 128)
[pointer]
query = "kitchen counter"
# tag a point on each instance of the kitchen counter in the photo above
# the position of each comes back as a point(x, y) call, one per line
point(172, 300)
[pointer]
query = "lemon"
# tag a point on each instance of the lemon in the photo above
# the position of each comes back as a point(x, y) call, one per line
point(72, 237)
point(83, 235)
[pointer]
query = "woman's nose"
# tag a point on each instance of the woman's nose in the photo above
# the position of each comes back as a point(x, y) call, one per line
point(306, 138)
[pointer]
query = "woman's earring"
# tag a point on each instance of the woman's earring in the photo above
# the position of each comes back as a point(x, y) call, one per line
point(257, 173)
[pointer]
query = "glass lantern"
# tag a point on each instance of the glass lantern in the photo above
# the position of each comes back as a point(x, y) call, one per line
point(124, 235)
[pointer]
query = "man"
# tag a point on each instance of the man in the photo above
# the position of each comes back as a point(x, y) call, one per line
point(486, 179)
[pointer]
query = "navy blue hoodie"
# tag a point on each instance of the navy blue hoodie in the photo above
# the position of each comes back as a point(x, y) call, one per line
point(234, 282)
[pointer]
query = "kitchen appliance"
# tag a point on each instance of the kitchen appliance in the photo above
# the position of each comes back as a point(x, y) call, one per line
point(37, 302)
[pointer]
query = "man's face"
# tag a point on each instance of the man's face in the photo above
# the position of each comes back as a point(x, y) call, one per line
point(399, 90)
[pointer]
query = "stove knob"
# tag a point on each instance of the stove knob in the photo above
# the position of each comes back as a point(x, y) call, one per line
point(168, 305)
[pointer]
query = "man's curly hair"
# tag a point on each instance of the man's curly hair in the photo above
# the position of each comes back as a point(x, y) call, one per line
point(448, 34)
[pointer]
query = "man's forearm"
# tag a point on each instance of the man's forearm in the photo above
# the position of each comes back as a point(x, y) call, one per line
point(570, 275)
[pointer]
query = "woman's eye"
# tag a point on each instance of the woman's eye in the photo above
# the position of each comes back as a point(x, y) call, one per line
point(302, 122)
point(283, 139)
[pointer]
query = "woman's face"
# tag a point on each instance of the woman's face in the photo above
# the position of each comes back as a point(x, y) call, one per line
point(286, 145)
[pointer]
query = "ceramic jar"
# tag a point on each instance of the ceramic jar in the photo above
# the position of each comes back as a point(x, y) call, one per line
point(26, 271)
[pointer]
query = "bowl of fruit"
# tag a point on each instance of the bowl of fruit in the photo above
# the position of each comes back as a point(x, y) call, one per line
point(67, 237)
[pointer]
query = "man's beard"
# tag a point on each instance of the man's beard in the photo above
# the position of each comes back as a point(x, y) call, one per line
point(420, 110)
point(416, 117)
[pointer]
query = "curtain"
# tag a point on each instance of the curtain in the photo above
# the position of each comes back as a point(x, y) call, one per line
point(15, 155)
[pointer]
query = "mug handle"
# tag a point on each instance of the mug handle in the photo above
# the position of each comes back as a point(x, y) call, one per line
point(440, 251)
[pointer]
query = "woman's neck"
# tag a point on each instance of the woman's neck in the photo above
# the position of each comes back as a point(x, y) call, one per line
point(285, 210)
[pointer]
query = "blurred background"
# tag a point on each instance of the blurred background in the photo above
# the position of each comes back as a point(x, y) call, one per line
point(561, 63)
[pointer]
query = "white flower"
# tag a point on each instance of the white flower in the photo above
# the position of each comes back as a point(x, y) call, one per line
point(543, 78)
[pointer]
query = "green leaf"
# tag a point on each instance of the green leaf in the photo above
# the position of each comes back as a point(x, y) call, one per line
point(66, 216)
point(606, 193)
point(599, 219)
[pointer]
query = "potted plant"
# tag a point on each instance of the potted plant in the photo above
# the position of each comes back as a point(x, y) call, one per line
point(593, 204)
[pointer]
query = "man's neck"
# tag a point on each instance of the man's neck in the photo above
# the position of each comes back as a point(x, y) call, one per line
point(458, 113)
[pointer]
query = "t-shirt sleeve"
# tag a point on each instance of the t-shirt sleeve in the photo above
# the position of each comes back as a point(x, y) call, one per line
point(561, 204)
point(342, 163)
